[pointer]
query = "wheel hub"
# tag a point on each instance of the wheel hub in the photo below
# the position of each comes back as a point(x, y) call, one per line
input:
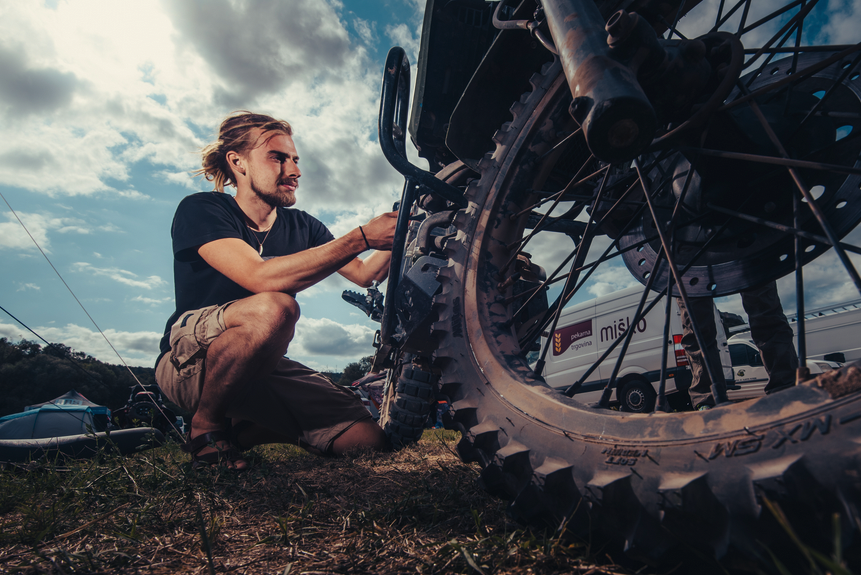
point(728, 254)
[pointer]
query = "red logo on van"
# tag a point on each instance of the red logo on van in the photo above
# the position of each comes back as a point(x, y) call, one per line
point(565, 337)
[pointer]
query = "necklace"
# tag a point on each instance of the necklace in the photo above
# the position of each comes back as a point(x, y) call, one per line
point(259, 242)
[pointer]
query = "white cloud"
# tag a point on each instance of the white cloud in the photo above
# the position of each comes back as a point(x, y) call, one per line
point(119, 275)
point(13, 236)
point(99, 53)
point(145, 91)
point(186, 180)
point(842, 27)
point(329, 338)
point(365, 30)
point(73, 226)
point(418, 6)
point(152, 301)
point(57, 160)
point(609, 279)
point(131, 194)
point(407, 39)
point(826, 281)
point(112, 228)
point(136, 348)
point(29, 286)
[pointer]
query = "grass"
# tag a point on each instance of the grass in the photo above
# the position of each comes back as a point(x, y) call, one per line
point(415, 511)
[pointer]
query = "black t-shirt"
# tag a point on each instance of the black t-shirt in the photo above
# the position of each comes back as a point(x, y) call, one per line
point(208, 216)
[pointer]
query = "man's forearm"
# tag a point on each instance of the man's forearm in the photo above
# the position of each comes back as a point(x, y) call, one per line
point(289, 274)
point(302, 270)
point(364, 272)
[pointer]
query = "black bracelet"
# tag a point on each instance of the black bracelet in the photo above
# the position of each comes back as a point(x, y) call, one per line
point(364, 237)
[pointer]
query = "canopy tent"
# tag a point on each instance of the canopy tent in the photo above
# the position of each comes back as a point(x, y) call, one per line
point(70, 398)
point(69, 414)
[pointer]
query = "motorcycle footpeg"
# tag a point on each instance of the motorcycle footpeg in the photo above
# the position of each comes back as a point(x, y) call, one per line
point(359, 301)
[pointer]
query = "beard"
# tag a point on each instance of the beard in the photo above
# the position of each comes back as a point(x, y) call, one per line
point(275, 198)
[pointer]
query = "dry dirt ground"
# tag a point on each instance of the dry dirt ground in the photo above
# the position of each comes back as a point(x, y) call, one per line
point(415, 511)
point(419, 510)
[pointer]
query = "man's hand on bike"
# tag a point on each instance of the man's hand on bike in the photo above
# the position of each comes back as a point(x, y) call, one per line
point(380, 231)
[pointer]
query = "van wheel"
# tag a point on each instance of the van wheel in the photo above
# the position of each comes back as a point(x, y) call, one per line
point(715, 480)
point(638, 396)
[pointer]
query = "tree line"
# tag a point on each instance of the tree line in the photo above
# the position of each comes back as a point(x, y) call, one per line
point(31, 373)
point(354, 371)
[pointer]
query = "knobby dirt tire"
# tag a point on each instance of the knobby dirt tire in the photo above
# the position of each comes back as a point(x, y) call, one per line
point(410, 400)
point(649, 481)
point(408, 408)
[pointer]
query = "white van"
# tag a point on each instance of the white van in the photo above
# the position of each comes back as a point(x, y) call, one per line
point(585, 331)
point(749, 372)
point(833, 334)
point(827, 335)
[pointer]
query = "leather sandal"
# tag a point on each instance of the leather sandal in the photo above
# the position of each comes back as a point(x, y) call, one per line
point(220, 456)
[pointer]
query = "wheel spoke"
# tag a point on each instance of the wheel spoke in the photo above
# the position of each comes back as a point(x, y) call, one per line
point(770, 57)
point(559, 196)
point(772, 16)
point(826, 97)
point(743, 18)
point(716, 393)
point(795, 78)
point(612, 347)
point(564, 297)
point(721, 21)
point(782, 228)
point(779, 161)
point(629, 333)
point(567, 294)
point(660, 403)
point(798, 49)
point(805, 191)
point(637, 316)
point(799, 30)
point(559, 144)
point(554, 277)
point(573, 183)
point(595, 226)
point(786, 31)
point(582, 249)
point(801, 336)
point(672, 27)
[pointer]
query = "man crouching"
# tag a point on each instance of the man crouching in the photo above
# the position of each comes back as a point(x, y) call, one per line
point(238, 263)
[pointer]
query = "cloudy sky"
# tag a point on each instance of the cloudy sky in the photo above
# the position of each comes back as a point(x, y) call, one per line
point(104, 106)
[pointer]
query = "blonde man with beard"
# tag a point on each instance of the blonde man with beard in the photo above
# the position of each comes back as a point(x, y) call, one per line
point(238, 263)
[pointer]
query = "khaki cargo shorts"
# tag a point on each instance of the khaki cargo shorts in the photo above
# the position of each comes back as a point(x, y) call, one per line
point(293, 400)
